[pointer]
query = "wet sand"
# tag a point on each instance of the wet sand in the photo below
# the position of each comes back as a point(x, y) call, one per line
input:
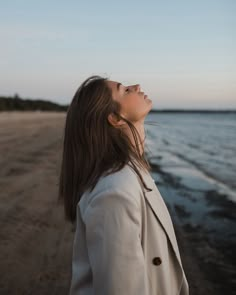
point(205, 231)
point(36, 242)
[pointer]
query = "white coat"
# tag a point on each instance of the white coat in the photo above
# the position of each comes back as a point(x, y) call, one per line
point(124, 242)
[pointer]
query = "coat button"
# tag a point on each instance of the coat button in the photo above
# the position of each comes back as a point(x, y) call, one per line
point(156, 260)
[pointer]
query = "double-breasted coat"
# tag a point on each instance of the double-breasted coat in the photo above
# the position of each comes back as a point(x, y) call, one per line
point(124, 242)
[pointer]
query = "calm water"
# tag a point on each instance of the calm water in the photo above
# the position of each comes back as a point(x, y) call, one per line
point(196, 154)
point(196, 146)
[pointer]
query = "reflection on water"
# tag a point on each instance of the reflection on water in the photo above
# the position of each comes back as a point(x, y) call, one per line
point(194, 166)
point(206, 141)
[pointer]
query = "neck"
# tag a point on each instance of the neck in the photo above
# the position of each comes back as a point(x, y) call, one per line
point(140, 128)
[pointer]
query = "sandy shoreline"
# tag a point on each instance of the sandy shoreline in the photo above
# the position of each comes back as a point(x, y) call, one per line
point(207, 250)
point(36, 242)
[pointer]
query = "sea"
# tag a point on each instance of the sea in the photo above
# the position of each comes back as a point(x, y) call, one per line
point(193, 160)
point(195, 145)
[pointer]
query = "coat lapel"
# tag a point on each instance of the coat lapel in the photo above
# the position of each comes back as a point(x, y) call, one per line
point(158, 206)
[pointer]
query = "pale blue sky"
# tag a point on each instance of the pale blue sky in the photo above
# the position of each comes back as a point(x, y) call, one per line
point(183, 53)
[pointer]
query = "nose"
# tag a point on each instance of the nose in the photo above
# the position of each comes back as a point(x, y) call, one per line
point(137, 87)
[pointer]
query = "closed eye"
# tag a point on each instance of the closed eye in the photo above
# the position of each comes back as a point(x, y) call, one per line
point(127, 90)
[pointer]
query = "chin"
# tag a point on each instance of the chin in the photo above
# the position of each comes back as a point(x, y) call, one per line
point(149, 107)
point(147, 111)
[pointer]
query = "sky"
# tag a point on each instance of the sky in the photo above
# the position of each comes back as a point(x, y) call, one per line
point(182, 53)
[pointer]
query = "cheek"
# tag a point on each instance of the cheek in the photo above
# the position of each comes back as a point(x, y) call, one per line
point(132, 108)
point(129, 106)
point(130, 102)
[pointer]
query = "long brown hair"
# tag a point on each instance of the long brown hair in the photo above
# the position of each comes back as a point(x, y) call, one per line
point(92, 145)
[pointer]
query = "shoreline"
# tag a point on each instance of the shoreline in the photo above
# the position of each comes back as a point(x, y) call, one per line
point(206, 254)
point(36, 241)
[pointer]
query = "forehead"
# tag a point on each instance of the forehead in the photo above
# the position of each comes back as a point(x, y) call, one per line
point(113, 84)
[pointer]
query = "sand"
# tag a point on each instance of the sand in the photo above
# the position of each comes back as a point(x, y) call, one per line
point(35, 247)
point(35, 240)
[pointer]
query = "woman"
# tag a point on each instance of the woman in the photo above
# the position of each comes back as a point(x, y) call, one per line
point(124, 241)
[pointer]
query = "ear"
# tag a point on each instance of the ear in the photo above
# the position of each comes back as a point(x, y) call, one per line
point(115, 121)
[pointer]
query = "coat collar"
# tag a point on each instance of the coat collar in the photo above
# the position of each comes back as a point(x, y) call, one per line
point(158, 206)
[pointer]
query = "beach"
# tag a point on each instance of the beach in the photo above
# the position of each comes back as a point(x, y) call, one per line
point(36, 241)
point(35, 248)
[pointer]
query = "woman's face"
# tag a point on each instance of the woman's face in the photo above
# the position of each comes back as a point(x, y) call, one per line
point(135, 105)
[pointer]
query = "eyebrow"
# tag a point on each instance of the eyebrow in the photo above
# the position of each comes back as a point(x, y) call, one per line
point(118, 86)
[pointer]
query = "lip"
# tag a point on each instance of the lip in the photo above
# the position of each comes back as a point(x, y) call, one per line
point(145, 96)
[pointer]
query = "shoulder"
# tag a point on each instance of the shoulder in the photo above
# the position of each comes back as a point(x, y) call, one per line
point(125, 179)
point(123, 184)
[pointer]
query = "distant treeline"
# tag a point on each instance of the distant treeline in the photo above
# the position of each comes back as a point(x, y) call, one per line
point(196, 111)
point(16, 103)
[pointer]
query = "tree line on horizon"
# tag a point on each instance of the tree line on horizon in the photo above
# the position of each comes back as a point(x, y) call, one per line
point(15, 103)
